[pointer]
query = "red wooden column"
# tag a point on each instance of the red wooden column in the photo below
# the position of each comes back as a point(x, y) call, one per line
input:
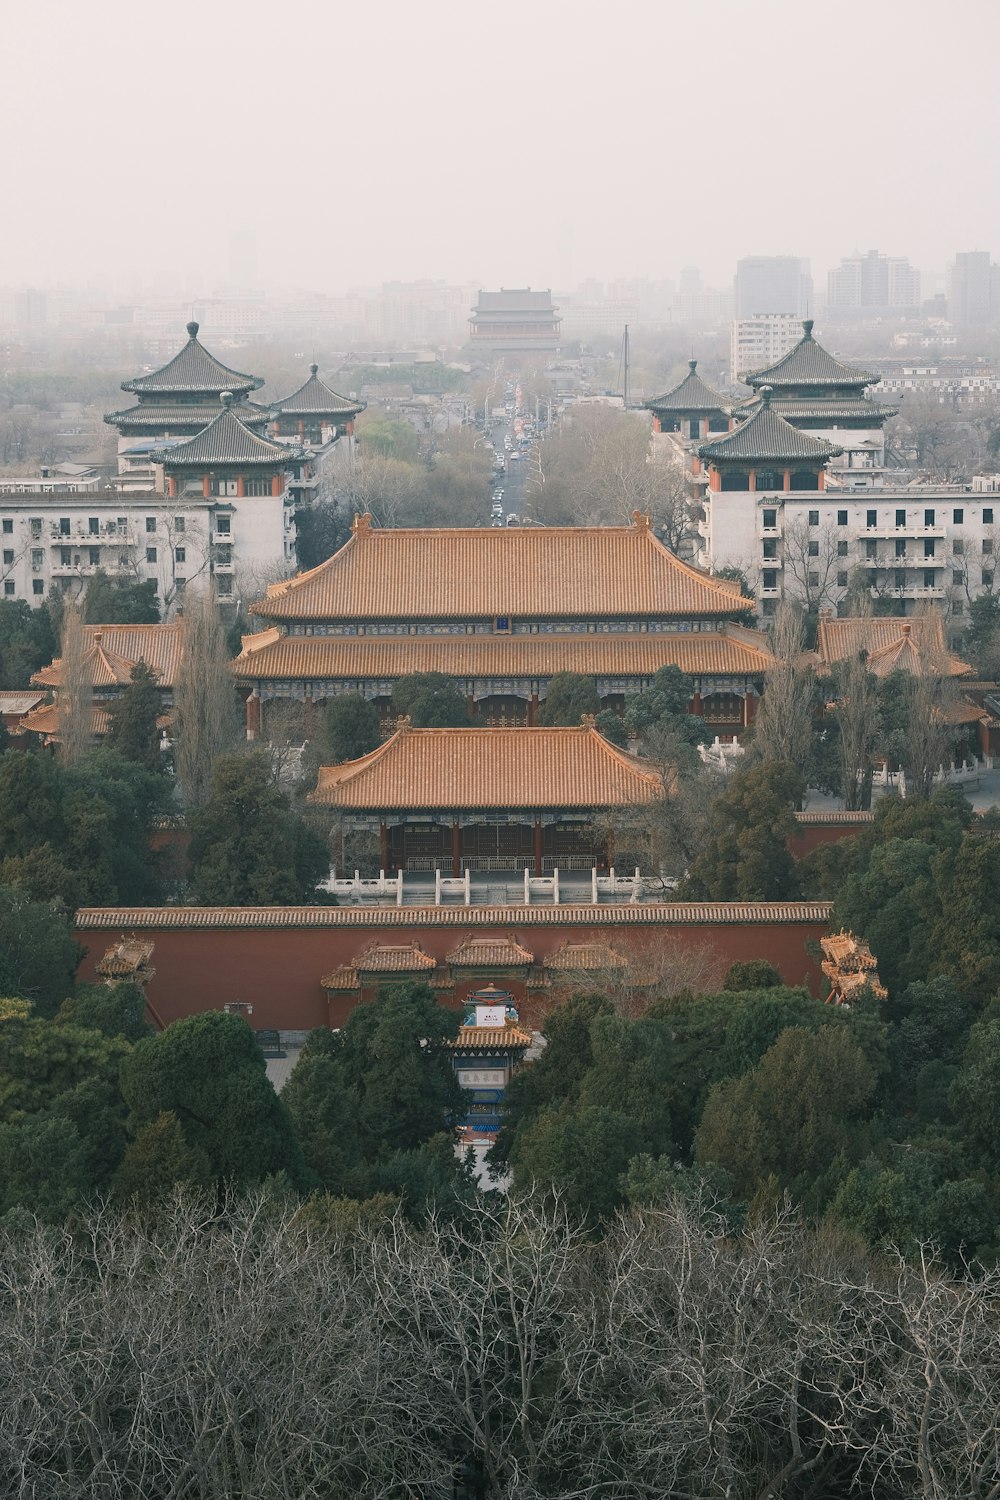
point(456, 848)
point(538, 846)
point(253, 715)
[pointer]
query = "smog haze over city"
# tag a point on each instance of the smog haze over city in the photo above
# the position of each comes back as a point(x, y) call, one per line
point(522, 143)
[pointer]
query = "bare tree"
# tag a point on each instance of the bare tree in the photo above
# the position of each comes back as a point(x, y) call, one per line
point(859, 730)
point(812, 565)
point(75, 695)
point(206, 722)
point(783, 728)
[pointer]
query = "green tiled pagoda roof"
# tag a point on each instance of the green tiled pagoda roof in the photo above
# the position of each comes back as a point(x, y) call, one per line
point(316, 399)
point(822, 409)
point(691, 395)
point(194, 369)
point(166, 416)
point(767, 438)
point(226, 440)
point(809, 364)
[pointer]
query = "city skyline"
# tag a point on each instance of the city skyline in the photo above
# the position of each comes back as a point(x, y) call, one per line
point(520, 149)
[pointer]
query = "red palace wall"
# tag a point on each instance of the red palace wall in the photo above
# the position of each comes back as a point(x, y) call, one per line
point(825, 828)
point(274, 958)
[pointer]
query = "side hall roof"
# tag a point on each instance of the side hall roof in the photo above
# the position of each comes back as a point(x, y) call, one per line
point(767, 438)
point(226, 440)
point(488, 769)
point(915, 644)
point(809, 364)
point(316, 399)
point(193, 369)
point(691, 395)
point(272, 656)
point(492, 572)
point(111, 651)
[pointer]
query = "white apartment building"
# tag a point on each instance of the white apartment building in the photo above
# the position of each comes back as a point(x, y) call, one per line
point(760, 341)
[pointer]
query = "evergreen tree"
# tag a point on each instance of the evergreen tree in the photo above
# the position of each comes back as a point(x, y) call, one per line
point(38, 955)
point(348, 728)
point(27, 641)
point(569, 696)
point(746, 857)
point(120, 601)
point(431, 700)
point(133, 731)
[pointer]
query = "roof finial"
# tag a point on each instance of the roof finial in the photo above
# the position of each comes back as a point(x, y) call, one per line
point(362, 523)
point(692, 365)
point(807, 327)
point(226, 397)
point(640, 520)
point(588, 721)
point(314, 369)
point(907, 628)
point(765, 394)
point(192, 329)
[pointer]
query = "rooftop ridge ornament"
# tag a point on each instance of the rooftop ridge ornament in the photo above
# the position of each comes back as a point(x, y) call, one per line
point(192, 329)
point(314, 370)
point(693, 366)
point(807, 328)
point(362, 523)
point(226, 397)
point(641, 520)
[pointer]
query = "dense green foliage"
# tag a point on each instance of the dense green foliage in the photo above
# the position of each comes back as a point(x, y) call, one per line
point(133, 731)
point(120, 601)
point(247, 847)
point(28, 641)
point(431, 700)
point(570, 695)
point(746, 856)
point(348, 728)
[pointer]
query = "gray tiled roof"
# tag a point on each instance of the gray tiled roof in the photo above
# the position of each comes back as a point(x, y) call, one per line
point(809, 364)
point(316, 399)
point(691, 395)
point(170, 418)
point(226, 440)
point(822, 409)
point(767, 437)
point(194, 369)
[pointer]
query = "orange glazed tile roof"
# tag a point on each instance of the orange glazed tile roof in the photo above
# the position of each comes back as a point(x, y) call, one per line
point(381, 958)
point(489, 953)
point(586, 956)
point(111, 651)
point(490, 1038)
point(127, 957)
point(488, 768)
point(271, 655)
point(47, 720)
point(583, 572)
point(578, 914)
point(892, 643)
point(344, 978)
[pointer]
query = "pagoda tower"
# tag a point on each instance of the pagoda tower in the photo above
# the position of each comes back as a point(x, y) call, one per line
point(691, 409)
point(314, 413)
point(227, 459)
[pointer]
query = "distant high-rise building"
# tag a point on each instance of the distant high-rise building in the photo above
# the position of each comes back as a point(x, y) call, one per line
point(761, 341)
point(772, 284)
point(973, 292)
point(873, 283)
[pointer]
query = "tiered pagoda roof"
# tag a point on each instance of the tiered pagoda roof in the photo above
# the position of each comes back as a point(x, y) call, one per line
point(316, 399)
point(691, 395)
point(891, 644)
point(111, 651)
point(226, 440)
point(488, 769)
point(162, 415)
point(272, 656)
point(582, 572)
point(809, 365)
point(193, 369)
point(767, 438)
point(835, 409)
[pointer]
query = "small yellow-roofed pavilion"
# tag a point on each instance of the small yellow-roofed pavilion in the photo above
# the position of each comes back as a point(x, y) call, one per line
point(851, 967)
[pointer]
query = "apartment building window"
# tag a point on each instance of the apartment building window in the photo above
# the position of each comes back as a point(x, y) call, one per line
point(814, 518)
point(150, 523)
point(770, 520)
point(814, 580)
point(928, 518)
point(8, 526)
point(768, 606)
point(179, 523)
point(64, 525)
point(223, 525)
point(65, 556)
point(224, 586)
point(842, 518)
point(987, 580)
point(122, 523)
point(8, 587)
point(770, 549)
point(841, 549)
point(871, 518)
point(871, 550)
point(901, 578)
point(37, 586)
point(987, 515)
point(901, 518)
point(263, 487)
point(37, 557)
point(150, 554)
point(179, 583)
point(928, 578)
point(900, 547)
point(95, 556)
point(36, 525)
point(958, 577)
point(987, 545)
point(8, 555)
point(94, 525)
point(814, 549)
point(841, 580)
point(958, 546)
point(958, 516)
point(180, 554)
point(770, 578)
point(929, 545)
point(224, 555)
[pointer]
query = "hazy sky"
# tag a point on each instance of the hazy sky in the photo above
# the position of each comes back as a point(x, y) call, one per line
point(521, 142)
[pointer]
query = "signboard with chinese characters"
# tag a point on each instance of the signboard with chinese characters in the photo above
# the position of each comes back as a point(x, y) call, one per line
point(482, 1078)
point(490, 1015)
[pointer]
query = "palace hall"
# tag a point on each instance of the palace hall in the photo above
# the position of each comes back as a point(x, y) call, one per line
point(501, 611)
